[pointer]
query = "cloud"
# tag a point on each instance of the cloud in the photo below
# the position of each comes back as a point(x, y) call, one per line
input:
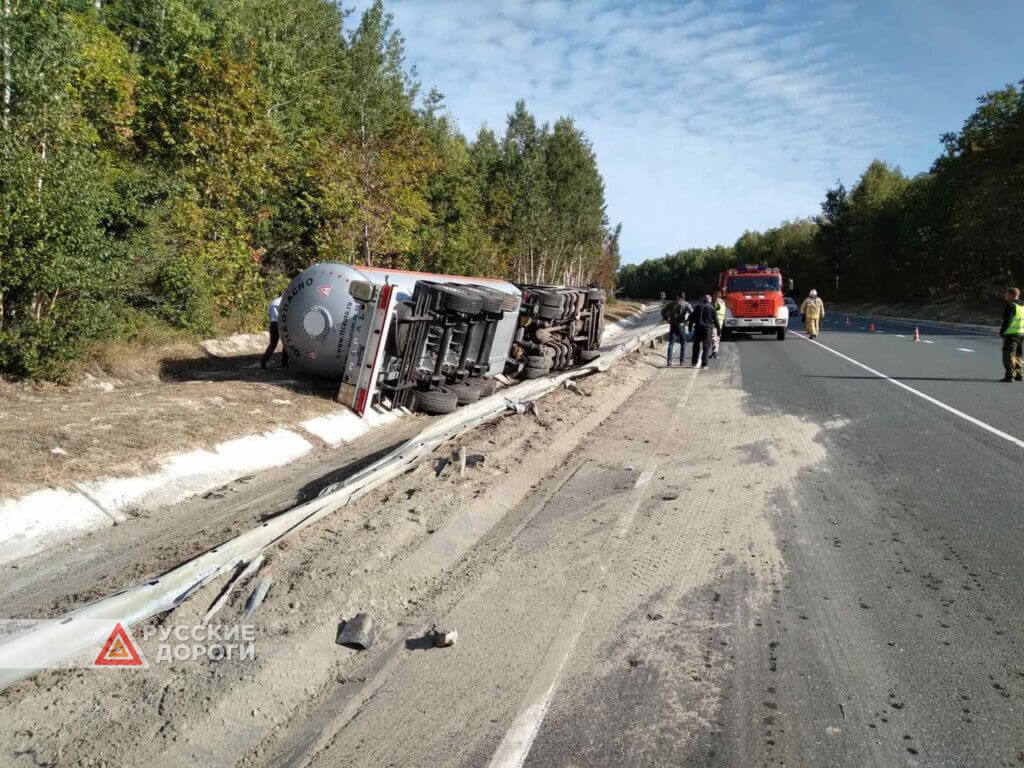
point(707, 117)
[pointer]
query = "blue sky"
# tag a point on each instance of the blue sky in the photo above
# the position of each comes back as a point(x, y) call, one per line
point(709, 118)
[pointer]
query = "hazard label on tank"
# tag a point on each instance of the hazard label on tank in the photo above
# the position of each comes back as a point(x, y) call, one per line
point(325, 290)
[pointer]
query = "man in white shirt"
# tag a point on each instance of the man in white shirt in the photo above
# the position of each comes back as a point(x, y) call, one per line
point(273, 313)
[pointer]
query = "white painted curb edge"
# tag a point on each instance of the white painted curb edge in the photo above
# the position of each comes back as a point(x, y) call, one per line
point(48, 516)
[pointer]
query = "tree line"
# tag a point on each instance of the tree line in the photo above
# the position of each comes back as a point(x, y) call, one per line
point(176, 161)
point(956, 230)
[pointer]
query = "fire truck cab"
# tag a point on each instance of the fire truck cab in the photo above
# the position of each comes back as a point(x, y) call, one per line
point(753, 301)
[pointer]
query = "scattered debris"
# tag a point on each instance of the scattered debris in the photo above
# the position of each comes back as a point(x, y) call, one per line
point(655, 617)
point(258, 595)
point(474, 460)
point(670, 495)
point(572, 386)
point(444, 638)
point(278, 401)
point(359, 632)
point(462, 460)
point(245, 572)
point(58, 451)
point(634, 661)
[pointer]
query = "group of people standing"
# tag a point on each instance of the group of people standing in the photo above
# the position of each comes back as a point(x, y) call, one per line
point(704, 322)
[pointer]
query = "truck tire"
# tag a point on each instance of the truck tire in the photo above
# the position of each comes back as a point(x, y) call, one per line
point(590, 355)
point(458, 299)
point(535, 373)
point(510, 303)
point(538, 361)
point(440, 400)
point(552, 300)
point(486, 386)
point(466, 393)
point(549, 313)
point(781, 334)
point(492, 301)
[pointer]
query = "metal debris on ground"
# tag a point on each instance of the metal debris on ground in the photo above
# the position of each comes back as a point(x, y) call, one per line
point(444, 638)
point(573, 386)
point(243, 573)
point(258, 595)
point(360, 632)
point(462, 460)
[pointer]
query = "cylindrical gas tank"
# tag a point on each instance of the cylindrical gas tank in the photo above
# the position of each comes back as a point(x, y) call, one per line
point(326, 313)
point(323, 309)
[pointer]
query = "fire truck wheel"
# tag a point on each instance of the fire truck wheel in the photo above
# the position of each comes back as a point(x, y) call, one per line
point(538, 361)
point(440, 400)
point(458, 299)
point(781, 334)
point(466, 393)
point(535, 373)
point(590, 355)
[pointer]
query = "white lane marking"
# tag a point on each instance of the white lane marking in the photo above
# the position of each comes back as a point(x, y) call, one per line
point(518, 739)
point(966, 417)
point(963, 349)
point(927, 341)
point(900, 335)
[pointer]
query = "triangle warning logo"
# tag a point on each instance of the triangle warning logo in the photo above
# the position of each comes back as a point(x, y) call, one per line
point(119, 651)
point(325, 290)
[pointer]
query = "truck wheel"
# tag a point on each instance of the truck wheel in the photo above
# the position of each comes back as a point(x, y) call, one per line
point(781, 334)
point(510, 303)
point(590, 355)
point(487, 386)
point(466, 393)
point(458, 299)
point(492, 301)
point(440, 400)
point(547, 312)
point(538, 361)
point(535, 373)
point(552, 300)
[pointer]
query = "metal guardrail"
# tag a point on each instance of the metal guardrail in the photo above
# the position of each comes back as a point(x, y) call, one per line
point(49, 642)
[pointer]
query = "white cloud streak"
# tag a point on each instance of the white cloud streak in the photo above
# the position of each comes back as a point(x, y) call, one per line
point(707, 117)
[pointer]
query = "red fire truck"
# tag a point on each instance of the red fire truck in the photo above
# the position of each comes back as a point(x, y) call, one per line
point(753, 301)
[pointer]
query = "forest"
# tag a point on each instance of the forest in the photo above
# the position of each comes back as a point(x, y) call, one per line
point(953, 232)
point(169, 164)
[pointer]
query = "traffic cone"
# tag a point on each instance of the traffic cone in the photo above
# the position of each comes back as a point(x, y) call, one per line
point(917, 333)
point(871, 328)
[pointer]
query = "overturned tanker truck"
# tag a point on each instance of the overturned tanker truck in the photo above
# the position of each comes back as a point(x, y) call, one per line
point(432, 342)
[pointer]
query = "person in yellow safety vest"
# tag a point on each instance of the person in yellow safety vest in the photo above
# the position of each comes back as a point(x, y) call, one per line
point(1012, 331)
point(719, 303)
point(812, 311)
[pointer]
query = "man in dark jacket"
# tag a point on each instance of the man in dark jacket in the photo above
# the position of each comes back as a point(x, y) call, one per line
point(704, 321)
point(1012, 331)
point(676, 314)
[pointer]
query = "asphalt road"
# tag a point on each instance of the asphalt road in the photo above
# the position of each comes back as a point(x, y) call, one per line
point(793, 558)
point(783, 560)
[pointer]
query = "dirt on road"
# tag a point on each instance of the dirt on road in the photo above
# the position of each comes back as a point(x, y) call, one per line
point(578, 560)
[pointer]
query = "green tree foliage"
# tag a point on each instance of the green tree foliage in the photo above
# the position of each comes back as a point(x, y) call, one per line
point(955, 231)
point(181, 159)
